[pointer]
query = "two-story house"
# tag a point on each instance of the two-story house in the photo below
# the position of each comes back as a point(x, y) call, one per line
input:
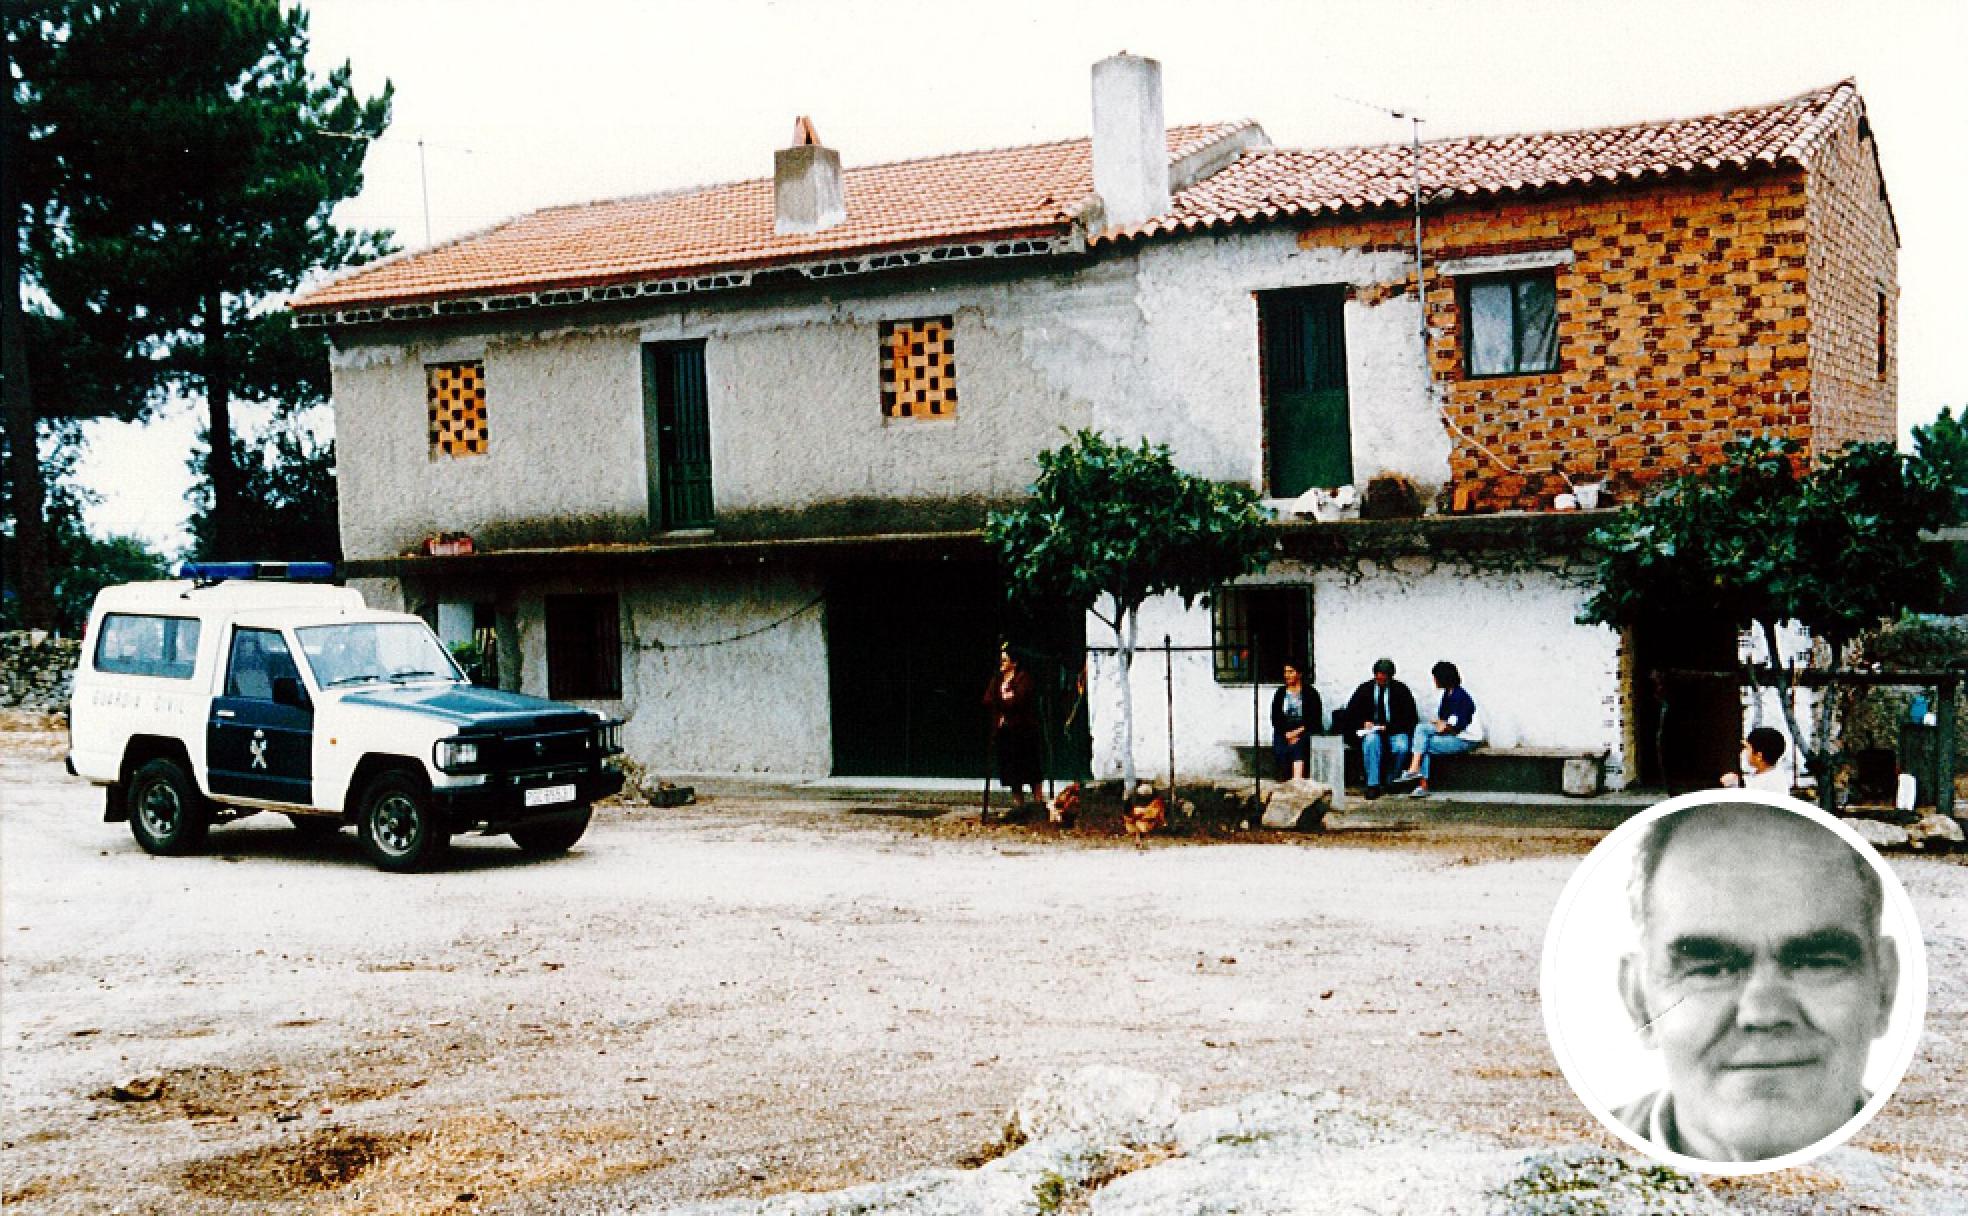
point(725, 452)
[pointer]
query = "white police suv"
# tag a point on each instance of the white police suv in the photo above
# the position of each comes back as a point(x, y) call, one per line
point(243, 687)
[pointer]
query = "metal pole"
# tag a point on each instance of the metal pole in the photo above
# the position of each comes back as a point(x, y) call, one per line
point(1257, 744)
point(423, 175)
point(1168, 683)
point(1944, 719)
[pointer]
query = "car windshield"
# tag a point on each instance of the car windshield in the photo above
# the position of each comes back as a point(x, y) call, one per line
point(376, 652)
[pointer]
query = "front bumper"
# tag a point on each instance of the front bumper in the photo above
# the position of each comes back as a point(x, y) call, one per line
point(499, 804)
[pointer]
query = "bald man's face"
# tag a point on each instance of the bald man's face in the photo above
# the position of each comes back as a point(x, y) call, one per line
point(1761, 980)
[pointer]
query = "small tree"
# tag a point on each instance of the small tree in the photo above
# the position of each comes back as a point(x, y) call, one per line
point(1109, 525)
point(1758, 542)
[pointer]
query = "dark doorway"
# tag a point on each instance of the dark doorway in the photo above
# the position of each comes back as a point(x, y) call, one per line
point(1689, 731)
point(1307, 428)
point(677, 428)
point(910, 648)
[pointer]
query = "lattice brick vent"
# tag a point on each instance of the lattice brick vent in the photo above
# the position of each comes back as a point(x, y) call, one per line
point(918, 369)
point(456, 392)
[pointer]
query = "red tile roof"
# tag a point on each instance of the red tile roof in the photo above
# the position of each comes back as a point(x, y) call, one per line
point(1008, 192)
point(1273, 183)
point(1038, 190)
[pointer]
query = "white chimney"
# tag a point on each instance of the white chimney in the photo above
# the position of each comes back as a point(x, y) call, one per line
point(1130, 148)
point(807, 191)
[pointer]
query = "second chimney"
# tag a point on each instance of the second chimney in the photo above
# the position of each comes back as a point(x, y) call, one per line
point(807, 190)
point(1130, 148)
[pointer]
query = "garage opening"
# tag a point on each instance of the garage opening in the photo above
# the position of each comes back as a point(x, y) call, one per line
point(910, 649)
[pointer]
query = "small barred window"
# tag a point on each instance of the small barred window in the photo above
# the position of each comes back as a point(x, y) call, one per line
point(456, 395)
point(918, 369)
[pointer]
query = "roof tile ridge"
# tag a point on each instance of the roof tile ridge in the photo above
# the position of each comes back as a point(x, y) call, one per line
point(1839, 99)
point(1825, 91)
point(1225, 129)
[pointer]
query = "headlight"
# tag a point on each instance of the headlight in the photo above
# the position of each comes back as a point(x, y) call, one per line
point(454, 754)
point(608, 738)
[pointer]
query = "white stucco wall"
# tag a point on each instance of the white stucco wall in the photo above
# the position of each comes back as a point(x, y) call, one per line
point(564, 441)
point(1539, 679)
point(698, 697)
point(1193, 377)
point(1157, 341)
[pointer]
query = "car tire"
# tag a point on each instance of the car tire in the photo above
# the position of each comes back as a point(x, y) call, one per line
point(167, 813)
point(550, 838)
point(315, 827)
point(400, 829)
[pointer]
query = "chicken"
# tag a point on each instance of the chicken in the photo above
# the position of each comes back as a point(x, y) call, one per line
point(1066, 806)
point(1151, 816)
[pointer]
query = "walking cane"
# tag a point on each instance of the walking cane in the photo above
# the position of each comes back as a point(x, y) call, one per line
point(990, 764)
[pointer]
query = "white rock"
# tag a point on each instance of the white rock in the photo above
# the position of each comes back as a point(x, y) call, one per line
point(1297, 805)
point(1879, 835)
point(1933, 830)
point(1102, 1104)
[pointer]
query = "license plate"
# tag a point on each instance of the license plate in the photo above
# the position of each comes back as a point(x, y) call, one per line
point(547, 795)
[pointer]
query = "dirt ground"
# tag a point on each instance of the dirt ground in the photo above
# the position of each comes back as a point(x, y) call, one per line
point(754, 995)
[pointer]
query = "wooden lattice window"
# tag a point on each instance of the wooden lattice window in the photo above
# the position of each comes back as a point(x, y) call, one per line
point(918, 369)
point(456, 394)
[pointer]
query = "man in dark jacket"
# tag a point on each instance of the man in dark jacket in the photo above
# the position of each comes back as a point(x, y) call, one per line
point(1381, 715)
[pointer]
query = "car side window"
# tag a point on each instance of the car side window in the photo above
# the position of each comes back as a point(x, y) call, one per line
point(259, 657)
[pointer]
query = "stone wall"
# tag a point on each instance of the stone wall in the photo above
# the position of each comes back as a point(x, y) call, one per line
point(37, 670)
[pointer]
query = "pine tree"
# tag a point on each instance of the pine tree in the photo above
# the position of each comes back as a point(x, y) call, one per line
point(177, 167)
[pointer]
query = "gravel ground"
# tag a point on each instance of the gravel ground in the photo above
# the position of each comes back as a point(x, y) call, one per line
point(756, 995)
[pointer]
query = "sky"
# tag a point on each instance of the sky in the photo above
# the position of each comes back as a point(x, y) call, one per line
point(504, 106)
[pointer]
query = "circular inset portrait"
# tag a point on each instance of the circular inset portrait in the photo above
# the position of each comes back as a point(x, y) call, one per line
point(1733, 982)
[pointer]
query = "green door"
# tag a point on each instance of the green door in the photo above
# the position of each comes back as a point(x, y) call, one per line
point(677, 429)
point(1309, 437)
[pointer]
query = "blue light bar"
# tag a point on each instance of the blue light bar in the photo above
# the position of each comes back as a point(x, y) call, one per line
point(293, 572)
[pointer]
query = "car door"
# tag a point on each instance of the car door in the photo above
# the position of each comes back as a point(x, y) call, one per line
point(258, 745)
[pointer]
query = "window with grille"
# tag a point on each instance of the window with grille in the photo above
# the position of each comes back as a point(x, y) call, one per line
point(1260, 629)
point(1510, 324)
point(918, 369)
point(584, 647)
point(455, 393)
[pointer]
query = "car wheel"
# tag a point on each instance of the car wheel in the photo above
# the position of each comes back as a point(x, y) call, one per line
point(400, 832)
point(315, 827)
point(552, 837)
point(167, 814)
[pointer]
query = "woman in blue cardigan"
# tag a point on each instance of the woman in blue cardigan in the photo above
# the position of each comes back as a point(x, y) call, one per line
point(1451, 731)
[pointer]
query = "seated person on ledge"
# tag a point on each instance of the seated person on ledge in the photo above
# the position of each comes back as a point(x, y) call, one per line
point(1296, 715)
point(1452, 731)
point(1761, 751)
point(1381, 714)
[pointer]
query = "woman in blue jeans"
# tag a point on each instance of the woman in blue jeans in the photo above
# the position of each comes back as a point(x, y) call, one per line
point(1451, 731)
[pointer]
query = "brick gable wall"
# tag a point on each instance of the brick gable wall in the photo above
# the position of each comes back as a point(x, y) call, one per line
point(1854, 260)
point(1686, 319)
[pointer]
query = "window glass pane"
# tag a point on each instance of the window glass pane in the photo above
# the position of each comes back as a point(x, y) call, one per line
point(1537, 324)
point(1490, 345)
point(1260, 628)
point(259, 657)
point(147, 646)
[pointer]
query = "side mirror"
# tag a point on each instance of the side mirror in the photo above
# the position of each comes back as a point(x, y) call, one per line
point(288, 691)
